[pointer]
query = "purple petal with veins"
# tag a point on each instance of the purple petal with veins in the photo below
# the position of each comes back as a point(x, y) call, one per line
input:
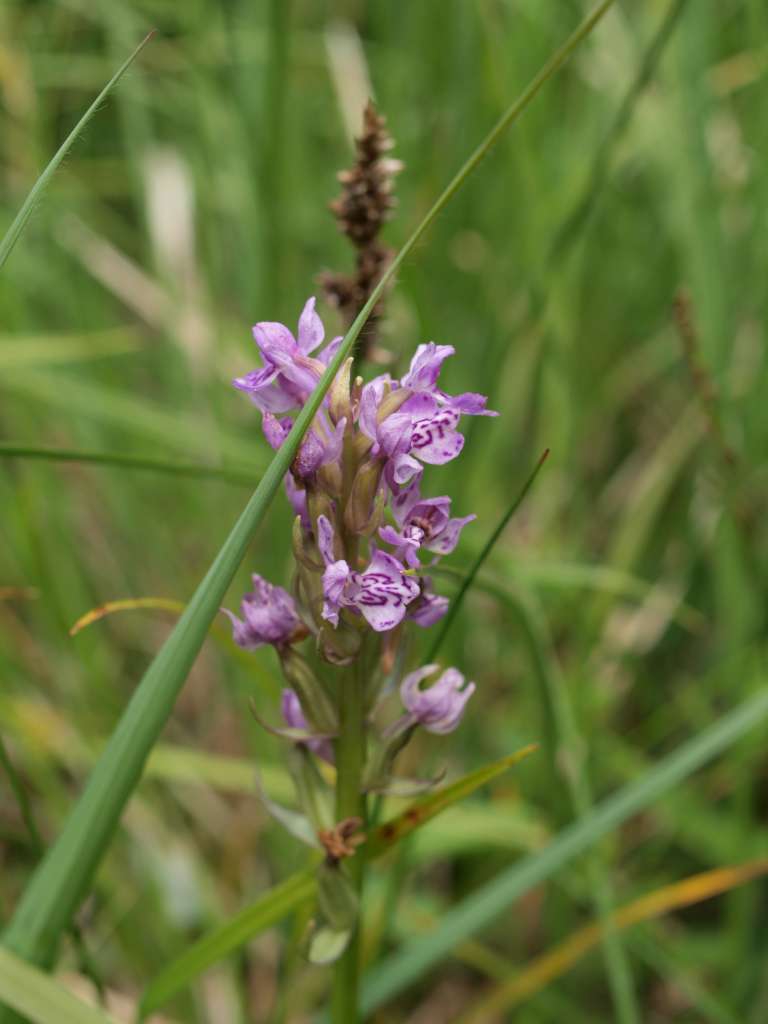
point(440, 707)
point(426, 365)
point(311, 330)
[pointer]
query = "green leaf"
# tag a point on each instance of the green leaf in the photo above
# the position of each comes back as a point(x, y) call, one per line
point(135, 414)
point(481, 908)
point(327, 945)
point(469, 579)
point(64, 877)
point(422, 811)
point(288, 896)
point(21, 218)
point(266, 911)
point(24, 351)
point(42, 1000)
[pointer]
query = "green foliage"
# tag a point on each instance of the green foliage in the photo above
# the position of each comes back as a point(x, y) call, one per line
point(633, 575)
point(40, 998)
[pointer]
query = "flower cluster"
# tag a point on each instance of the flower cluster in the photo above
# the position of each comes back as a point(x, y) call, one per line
point(365, 534)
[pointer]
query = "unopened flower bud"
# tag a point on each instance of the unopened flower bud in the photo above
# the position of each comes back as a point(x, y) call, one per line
point(304, 550)
point(339, 399)
point(330, 480)
point(359, 510)
point(320, 504)
point(391, 403)
point(315, 702)
point(339, 646)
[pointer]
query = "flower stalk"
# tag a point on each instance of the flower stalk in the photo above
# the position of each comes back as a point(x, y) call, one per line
point(350, 803)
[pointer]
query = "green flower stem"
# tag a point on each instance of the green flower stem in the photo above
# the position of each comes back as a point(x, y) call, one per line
point(350, 803)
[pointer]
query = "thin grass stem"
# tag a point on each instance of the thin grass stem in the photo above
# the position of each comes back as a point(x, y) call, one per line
point(477, 565)
point(228, 474)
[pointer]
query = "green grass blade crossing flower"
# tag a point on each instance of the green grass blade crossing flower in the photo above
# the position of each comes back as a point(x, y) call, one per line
point(63, 878)
point(19, 221)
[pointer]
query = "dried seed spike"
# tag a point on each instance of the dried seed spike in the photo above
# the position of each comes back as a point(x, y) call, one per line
point(365, 204)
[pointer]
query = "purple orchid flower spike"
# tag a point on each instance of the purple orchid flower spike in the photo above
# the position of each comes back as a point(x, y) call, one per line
point(380, 593)
point(440, 707)
point(422, 522)
point(269, 617)
point(294, 718)
point(290, 372)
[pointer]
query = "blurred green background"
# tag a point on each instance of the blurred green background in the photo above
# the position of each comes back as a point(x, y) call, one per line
point(623, 609)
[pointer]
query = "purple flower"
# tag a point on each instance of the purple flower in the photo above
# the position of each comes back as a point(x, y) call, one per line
point(294, 719)
point(425, 366)
point(380, 593)
point(297, 497)
point(422, 378)
point(439, 708)
point(289, 373)
point(422, 522)
point(321, 445)
point(429, 607)
point(424, 427)
point(269, 617)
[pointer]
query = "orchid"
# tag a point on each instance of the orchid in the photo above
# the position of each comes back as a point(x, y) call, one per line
point(422, 523)
point(269, 617)
point(289, 373)
point(355, 484)
point(380, 593)
point(438, 708)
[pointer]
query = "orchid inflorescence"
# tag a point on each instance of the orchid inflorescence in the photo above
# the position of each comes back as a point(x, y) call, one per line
point(364, 539)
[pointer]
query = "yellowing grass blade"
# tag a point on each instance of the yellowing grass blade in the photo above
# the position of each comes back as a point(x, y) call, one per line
point(564, 955)
point(127, 604)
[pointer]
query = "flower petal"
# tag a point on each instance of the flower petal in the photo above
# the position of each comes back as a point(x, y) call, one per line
point(311, 330)
point(325, 539)
point(426, 365)
point(435, 439)
point(448, 538)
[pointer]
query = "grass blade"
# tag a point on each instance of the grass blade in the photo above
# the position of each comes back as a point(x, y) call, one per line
point(14, 231)
point(424, 810)
point(165, 604)
point(63, 878)
point(545, 968)
point(42, 1000)
point(16, 450)
point(289, 895)
point(469, 579)
point(266, 911)
point(485, 905)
